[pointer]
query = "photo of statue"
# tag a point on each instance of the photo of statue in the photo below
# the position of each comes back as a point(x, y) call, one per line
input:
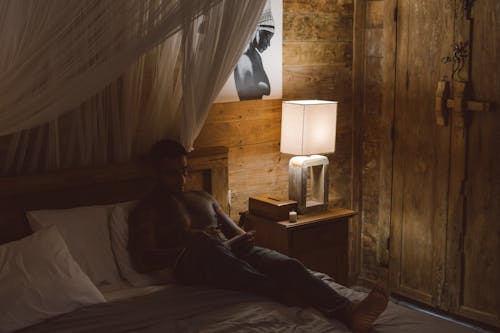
point(258, 73)
point(250, 76)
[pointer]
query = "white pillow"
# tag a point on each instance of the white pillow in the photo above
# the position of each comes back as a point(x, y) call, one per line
point(86, 232)
point(119, 240)
point(39, 279)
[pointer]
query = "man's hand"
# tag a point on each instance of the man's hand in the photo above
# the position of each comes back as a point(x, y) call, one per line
point(242, 243)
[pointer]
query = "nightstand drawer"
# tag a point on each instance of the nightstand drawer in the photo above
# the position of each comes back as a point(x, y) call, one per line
point(318, 237)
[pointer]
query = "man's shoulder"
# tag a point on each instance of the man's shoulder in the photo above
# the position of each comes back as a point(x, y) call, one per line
point(244, 65)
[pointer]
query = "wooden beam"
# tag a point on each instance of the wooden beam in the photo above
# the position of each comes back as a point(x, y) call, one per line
point(355, 228)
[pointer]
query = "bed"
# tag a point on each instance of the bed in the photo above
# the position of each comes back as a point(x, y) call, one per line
point(80, 297)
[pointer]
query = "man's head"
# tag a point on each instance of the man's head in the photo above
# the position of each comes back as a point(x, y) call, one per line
point(169, 159)
point(265, 29)
point(262, 40)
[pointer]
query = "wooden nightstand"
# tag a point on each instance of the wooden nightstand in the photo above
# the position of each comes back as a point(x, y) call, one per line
point(319, 240)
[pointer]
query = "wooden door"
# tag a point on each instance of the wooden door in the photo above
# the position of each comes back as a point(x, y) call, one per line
point(421, 151)
point(445, 215)
point(477, 287)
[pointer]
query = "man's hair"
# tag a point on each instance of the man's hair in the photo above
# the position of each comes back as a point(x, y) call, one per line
point(165, 149)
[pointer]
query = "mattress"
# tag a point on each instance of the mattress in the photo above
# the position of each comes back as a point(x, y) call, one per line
point(174, 308)
point(125, 290)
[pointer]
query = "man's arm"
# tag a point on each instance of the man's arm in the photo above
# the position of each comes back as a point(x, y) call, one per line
point(228, 227)
point(240, 245)
point(146, 254)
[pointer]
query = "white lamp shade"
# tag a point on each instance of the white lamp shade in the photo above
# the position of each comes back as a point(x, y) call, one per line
point(308, 127)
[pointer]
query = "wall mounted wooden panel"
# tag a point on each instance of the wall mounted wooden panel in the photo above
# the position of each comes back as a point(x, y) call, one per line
point(369, 93)
point(251, 131)
point(317, 64)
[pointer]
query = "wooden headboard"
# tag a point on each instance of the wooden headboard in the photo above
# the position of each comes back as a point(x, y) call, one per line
point(103, 185)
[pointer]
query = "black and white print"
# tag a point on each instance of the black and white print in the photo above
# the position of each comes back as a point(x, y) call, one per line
point(258, 73)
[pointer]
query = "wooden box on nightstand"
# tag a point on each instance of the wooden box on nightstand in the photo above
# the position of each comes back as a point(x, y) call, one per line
point(319, 240)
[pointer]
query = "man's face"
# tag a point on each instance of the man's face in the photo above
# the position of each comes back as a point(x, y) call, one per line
point(172, 173)
point(263, 39)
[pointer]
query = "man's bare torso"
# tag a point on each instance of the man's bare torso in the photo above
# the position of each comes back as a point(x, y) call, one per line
point(200, 206)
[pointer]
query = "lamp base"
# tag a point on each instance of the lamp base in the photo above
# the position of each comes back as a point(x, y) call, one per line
point(308, 183)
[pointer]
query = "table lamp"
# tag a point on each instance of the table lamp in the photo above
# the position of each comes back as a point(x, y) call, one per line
point(307, 129)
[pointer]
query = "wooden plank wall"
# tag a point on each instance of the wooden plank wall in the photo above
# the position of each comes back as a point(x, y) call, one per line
point(251, 131)
point(480, 297)
point(370, 77)
point(317, 64)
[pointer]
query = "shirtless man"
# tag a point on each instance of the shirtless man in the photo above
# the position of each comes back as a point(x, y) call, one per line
point(188, 232)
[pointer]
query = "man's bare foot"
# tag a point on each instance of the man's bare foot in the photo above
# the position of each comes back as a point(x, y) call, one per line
point(360, 316)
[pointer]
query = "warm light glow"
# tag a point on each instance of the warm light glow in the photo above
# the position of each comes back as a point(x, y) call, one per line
point(308, 127)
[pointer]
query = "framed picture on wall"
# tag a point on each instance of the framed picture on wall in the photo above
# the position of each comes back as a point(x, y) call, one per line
point(258, 73)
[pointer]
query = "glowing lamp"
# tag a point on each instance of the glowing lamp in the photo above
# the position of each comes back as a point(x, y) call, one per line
point(308, 129)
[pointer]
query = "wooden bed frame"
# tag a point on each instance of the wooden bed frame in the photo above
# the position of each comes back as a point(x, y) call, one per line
point(102, 185)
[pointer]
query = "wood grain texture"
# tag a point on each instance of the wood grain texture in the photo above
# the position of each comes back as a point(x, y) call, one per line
point(480, 264)
point(459, 223)
point(299, 53)
point(458, 173)
point(355, 229)
point(317, 62)
point(317, 26)
point(330, 82)
point(386, 132)
point(341, 7)
point(369, 90)
point(374, 14)
point(251, 131)
point(98, 186)
point(374, 42)
point(255, 163)
point(421, 164)
point(319, 240)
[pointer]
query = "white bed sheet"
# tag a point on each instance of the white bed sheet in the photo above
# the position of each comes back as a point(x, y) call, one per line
point(124, 290)
point(174, 308)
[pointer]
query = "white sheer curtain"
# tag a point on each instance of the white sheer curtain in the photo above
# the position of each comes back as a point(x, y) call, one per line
point(215, 36)
point(57, 53)
point(67, 57)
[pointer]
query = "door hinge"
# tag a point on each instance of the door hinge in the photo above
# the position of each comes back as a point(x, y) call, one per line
point(396, 14)
point(388, 245)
